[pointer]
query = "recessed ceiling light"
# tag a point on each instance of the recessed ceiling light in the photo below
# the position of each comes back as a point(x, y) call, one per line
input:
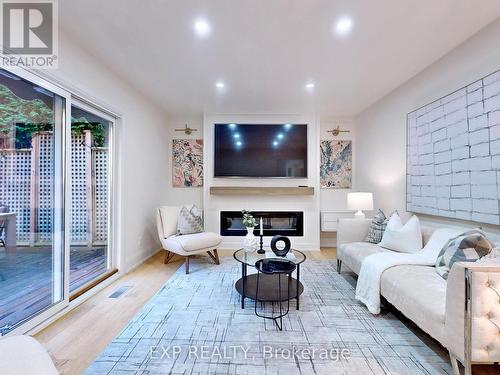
point(238, 143)
point(202, 27)
point(309, 85)
point(280, 135)
point(236, 135)
point(219, 85)
point(343, 26)
point(275, 143)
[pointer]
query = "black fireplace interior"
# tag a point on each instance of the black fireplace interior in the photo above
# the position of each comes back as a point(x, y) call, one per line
point(285, 223)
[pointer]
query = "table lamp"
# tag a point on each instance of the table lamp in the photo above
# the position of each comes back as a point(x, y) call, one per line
point(360, 202)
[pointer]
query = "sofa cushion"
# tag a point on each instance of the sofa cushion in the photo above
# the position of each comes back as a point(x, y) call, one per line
point(353, 253)
point(420, 294)
point(467, 247)
point(22, 355)
point(193, 242)
point(377, 228)
point(405, 238)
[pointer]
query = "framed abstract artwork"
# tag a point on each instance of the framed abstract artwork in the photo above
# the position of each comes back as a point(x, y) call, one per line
point(453, 154)
point(187, 162)
point(336, 164)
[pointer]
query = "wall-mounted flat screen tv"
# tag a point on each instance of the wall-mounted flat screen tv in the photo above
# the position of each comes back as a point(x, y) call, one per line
point(260, 150)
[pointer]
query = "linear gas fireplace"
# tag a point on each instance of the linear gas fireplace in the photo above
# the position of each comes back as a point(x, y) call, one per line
point(286, 223)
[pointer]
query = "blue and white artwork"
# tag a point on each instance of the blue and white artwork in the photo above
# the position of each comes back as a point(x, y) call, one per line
point(336, 164)
point(453, 161)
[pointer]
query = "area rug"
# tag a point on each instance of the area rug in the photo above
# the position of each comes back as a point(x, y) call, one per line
point(195, 325)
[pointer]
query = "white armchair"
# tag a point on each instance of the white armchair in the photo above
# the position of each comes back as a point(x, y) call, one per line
point(187, 244)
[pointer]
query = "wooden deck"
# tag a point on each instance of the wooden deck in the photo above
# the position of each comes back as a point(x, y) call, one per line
point(26, 279)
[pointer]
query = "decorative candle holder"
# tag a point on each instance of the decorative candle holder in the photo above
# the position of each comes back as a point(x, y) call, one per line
point(261, 250)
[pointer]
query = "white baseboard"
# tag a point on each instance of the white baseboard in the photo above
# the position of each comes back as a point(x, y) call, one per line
point(141, 261)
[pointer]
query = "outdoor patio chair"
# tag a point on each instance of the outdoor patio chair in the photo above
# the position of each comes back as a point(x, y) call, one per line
point(3, 209)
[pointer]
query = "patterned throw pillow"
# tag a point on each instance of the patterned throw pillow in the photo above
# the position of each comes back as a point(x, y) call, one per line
point(377, 228)
point(467, 247)
point(189, 221)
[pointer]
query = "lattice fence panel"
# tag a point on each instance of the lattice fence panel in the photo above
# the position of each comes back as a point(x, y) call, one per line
point(15, 182)
point(101, 170)
point(79, 191)
point(16, 189)
point(45, 186)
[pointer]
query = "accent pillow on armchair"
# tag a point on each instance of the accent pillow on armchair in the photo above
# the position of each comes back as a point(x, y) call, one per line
point(190, 220)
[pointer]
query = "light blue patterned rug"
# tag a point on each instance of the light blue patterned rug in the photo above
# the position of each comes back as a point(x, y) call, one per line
point(195, 325)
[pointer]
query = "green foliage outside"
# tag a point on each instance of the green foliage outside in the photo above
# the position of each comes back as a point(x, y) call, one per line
point(30, 116)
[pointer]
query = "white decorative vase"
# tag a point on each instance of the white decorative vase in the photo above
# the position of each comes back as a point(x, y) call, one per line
point(250, 241)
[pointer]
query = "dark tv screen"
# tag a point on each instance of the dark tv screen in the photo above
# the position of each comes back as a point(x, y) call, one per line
point(263, 150)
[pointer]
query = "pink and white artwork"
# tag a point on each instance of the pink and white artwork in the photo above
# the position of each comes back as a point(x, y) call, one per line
point(336, 164)
point(187, 162)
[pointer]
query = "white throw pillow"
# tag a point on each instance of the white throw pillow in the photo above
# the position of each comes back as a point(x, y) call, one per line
point(402, 238)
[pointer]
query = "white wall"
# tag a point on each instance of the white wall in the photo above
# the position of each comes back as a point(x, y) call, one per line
point(143, 146)
point(176, 195)
point(336, 199)
point(213, 204)
point(381, 129)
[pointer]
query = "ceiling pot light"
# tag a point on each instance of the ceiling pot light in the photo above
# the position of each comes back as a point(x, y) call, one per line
point(343, 26)
point(219, 85)
point(202, 28)
point(309, 86)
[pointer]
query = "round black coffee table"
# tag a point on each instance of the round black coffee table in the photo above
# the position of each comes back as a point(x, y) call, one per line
point(268, 292)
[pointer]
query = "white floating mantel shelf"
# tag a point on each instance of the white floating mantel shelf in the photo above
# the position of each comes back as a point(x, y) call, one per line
point(258, 190)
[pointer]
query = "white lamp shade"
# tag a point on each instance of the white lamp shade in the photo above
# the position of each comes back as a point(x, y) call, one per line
point(360, 201)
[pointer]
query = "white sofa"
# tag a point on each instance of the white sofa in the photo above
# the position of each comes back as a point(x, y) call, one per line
point(23, 355)
point(462, 313)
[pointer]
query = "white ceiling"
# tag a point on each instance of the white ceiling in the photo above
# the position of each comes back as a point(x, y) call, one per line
point(266, 50)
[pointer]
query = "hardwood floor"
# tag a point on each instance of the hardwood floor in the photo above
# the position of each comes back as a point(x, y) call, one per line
point(76, 339)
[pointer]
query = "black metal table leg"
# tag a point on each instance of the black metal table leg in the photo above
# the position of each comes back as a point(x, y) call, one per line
point(243, 277)
point(298, 283)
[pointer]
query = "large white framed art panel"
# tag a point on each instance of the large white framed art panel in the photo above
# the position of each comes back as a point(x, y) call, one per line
point(453, 154)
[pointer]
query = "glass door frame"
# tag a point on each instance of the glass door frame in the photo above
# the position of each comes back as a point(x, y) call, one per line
point(112, 259)
point(61, 163)
point(72, 96)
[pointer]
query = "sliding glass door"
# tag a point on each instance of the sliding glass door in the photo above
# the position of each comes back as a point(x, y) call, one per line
point(55, 199)
point(32, 254)
point(90, 255)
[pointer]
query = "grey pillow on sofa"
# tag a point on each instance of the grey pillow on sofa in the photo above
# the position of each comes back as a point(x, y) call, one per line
point(467, 247)
point(377, 228)
point(189, 221)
